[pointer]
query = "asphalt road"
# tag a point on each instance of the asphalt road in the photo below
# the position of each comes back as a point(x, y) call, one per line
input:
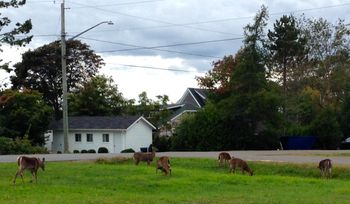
point(341, 157)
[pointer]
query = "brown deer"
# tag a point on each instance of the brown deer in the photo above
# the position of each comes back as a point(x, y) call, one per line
point(29, 163)
point(163, 164)
point(236, 162)
point(144, 156)
point(224, 158)
point(325, 167)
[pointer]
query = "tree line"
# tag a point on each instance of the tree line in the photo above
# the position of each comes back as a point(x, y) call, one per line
point(290, 80)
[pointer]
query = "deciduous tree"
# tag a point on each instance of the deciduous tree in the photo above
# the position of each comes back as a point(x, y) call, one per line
point(41, 70)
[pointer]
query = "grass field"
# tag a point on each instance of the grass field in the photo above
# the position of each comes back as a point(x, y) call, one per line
point(192, 181)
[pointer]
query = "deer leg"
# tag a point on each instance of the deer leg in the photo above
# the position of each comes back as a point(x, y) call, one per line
point(35, 176)
point(14, 180)
point(19, 172)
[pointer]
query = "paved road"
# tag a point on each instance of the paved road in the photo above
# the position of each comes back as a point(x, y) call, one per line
point(294, 156)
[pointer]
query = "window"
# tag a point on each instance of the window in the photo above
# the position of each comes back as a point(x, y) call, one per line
point(78, 137)
point(105, 137)
point(89, 138)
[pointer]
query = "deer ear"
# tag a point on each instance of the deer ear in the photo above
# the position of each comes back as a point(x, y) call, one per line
point(43, 159)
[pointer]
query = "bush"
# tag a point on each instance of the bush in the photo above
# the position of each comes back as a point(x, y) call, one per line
point(59, 152)
point(102, 150)
point(5, 145)
point(84, 151)
point(130, 150)
point(19, 146)
point(91, 151)
point(75, 151)
point(162, 142)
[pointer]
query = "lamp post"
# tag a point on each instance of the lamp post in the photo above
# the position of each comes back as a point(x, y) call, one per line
point(64, 72)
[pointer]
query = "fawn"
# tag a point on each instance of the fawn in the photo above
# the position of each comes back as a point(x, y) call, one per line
point(236, 162)
point(163, 164)
point(325, 167)
point(29, 163)
point(223, 158)
point(144, 156)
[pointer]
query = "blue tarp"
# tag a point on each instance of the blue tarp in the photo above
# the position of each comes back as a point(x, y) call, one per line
point(298, 142)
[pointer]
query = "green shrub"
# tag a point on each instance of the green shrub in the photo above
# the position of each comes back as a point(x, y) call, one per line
point(130, 150)
point(91, 151)
point(5, 145)
point(75, 151)
point(19, 146)
point(84, 151)
point(102, 150)
point(59, 152)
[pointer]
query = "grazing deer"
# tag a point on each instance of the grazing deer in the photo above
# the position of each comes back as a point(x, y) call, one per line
point(325, 167)
point(236, 162)
point(223, 158)
point(29, 163)
point(144, 156)
point(163, 164)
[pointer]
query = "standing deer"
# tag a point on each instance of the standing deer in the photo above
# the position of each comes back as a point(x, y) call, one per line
point(29, 163)
point(223, 158)
point(236, 162)
point(325, 167)
point(144, 156)
point(163, 164)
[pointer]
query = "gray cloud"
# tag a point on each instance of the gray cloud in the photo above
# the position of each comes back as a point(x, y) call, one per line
point(162, 23)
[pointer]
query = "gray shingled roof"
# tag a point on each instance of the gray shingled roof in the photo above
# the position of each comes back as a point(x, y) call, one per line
point(96, 122)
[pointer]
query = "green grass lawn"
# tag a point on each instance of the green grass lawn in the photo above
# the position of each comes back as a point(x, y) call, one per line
point(192, 181)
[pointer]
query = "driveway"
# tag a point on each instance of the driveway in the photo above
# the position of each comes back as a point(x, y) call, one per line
point(292, 156)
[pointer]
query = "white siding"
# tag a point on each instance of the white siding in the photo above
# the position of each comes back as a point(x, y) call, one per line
point(57, 144)
point(118, 141)
point(139, 135)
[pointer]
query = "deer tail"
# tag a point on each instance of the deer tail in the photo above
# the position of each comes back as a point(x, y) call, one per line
point(19, 160)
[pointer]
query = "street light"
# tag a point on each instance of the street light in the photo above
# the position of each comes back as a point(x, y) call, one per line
point(64, 73)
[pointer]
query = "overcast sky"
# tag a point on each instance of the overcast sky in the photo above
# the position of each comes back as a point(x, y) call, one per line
point(184, 35)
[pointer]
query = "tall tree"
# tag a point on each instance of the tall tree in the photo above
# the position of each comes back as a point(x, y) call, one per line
point(328, 64)
point(41, 70)
point(10, 37)
point(97, 97)
point(287, 48)
point(24, 113)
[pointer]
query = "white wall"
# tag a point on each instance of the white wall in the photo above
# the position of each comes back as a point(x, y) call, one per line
point(139, 135)
point(57, 144)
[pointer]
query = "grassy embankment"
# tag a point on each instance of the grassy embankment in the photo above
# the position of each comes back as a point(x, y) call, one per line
point(192, 181)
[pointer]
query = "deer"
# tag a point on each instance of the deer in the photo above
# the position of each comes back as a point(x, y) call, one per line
point(236, 162)
point(144, 156)
point(223, 158)
point(325, 167)
point(163, 164)
point(29, 163)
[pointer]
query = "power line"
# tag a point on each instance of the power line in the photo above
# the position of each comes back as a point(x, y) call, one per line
point(229, 19)
point(136, 47)
point(151, 67)
point(154, 20)
point(174, 45)
point(118, 4)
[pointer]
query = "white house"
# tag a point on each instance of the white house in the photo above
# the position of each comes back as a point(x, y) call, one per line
point(191, 101)
point(92, 132)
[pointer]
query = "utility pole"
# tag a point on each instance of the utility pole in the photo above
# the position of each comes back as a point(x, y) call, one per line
point(64, 73)
point(64, 80)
